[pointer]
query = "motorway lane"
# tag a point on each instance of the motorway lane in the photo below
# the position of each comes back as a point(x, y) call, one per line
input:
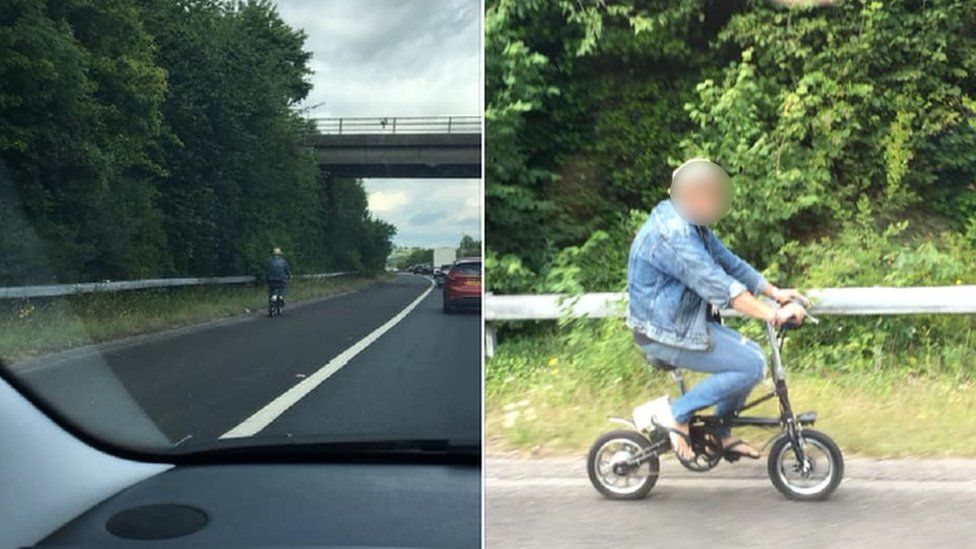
point(549, 502)
point(197, 383)
point(423, 383)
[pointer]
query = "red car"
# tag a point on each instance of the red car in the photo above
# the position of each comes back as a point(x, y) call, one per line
point(462, 286)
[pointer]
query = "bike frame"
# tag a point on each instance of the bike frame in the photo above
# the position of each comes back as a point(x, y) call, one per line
point(790, 423)
point(780, 391)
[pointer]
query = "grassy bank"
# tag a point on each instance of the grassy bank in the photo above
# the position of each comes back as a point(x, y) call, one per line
point(36, 326)
point(550, 394)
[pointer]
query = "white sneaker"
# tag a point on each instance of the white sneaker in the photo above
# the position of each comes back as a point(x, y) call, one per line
point(657, 411)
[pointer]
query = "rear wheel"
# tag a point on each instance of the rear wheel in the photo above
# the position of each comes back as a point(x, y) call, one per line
point(448, 306)
point(274, 305)
point(814, 478)
point(613, 467)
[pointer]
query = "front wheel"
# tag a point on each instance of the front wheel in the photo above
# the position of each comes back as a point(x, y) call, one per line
point(619, 467)
point(816, 476)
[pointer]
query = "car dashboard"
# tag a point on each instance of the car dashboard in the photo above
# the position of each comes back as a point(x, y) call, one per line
point(304, 504)
point(61, 489)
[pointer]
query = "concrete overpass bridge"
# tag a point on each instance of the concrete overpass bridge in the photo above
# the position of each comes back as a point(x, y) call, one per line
point(404, 147)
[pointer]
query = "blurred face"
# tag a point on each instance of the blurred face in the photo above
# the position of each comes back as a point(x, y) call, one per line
point(701, 192)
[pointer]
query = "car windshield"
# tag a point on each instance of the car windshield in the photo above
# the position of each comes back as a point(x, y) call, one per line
point(220, 220)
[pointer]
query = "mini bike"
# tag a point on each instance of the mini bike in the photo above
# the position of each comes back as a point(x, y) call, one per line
point(276, 301)
point(803, 464)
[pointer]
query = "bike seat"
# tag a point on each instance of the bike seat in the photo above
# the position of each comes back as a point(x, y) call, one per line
point(641, 340)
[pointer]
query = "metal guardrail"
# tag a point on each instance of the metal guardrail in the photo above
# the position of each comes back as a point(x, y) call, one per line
point(398, 125)
point(828, 301)
point(325, 275)
point(53, 290)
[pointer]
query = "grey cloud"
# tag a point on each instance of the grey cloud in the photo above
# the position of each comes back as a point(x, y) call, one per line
point(391, 58)
point(428, 217)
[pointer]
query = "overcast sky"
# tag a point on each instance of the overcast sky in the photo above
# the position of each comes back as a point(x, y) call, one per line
point(400, 58)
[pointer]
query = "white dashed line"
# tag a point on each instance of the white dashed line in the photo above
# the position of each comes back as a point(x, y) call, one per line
point(263, 417)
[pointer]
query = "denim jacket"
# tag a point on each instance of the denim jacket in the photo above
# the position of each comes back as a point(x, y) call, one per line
point(277, 269)
point(674, 269)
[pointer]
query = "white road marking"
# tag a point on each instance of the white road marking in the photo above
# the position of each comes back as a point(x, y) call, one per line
point(263, 417)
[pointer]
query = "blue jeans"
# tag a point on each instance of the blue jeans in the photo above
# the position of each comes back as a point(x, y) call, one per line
point(736, 365)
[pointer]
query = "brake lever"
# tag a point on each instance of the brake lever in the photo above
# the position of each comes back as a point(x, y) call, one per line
point(806, 312)
point(793, 324)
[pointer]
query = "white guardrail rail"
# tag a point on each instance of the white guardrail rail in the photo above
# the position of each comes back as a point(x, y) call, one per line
point(828, 301)
point(52, 290)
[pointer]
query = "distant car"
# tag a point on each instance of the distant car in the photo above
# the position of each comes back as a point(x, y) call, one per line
point(440, 273)
point(462, 285)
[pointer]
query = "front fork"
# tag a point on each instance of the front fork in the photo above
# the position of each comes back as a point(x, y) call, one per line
point(793, 428)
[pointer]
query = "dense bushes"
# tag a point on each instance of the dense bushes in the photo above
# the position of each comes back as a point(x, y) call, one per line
point(861, 255)
point(155, 138)
point(812, 109)
point(850, 132)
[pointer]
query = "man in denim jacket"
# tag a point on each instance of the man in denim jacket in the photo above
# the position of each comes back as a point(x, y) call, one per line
point(676, 270)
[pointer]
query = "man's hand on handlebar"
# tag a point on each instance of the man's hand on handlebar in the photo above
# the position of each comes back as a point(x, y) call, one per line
point(784, 296)
point(791, 313)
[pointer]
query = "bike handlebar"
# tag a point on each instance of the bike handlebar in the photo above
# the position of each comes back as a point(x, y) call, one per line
point(792, 323)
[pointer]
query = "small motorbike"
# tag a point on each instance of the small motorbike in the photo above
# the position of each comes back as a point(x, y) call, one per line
point(803, 464)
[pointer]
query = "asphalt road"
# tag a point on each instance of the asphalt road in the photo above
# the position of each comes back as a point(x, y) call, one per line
point(894, 503)
point(419, 379)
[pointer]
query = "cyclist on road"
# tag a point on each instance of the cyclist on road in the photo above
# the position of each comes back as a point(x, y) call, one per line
point(678, 273)
point(277, 274)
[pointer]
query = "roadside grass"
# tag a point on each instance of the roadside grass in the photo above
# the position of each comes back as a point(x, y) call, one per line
point(36, 326)
point(548, 395)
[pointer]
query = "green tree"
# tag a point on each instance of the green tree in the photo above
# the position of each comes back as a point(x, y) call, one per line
point(583, 105)
point(238, 179)
point(159, 137)
point(417, 256)
point(469, 247)
point(823, 106)
point(80, 101)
